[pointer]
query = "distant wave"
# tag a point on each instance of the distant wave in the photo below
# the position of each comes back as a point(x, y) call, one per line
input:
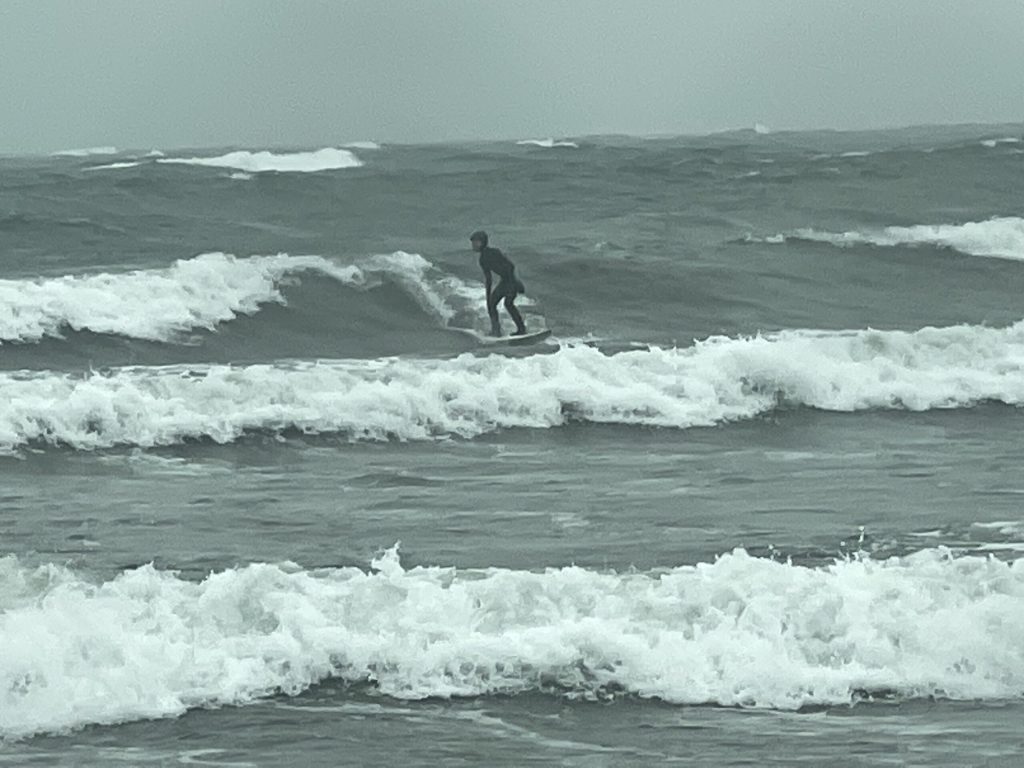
point(115, 166)
point(718, 380)
point(992, 143)
point(139, 160)
point(326, 159)
point(202, 292)
point(842, 155)
point(146, 644)
point(86, 152)
point(998, 237)
point(548, 143)
point(372, 145)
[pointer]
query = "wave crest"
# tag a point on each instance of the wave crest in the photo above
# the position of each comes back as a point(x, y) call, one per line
point(1001, 237)
point(86, 152)
point(153, 304)
point(327, 159)
point(548, 143)
point(205, 291)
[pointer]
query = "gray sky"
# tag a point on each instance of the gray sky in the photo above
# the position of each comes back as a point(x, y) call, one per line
point(148, 73)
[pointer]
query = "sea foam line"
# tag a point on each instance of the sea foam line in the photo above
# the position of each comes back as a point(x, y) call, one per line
point(717, 380)
point(739, 631)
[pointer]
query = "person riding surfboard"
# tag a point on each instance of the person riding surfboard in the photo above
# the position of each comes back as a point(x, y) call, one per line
point(509, 286)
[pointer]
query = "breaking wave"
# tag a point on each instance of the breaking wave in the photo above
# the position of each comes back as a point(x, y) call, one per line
point(155, 304)
point(998, 237)
point(86, 152)
point(327, 159)
point(739, 631)
point(202, 292)
point(548, 143)
point(718, 380)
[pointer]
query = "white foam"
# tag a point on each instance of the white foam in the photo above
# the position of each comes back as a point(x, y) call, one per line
point(992, 143)
point(998, 237)
point(738, 631)
point(154, 304)
point(761, 129)
point(86, 152)
point(371, 145)
point(858, 153)
point(115, 166)
point(548, 143)
point(327, 159)
point(1005, 527)
point(717, 380)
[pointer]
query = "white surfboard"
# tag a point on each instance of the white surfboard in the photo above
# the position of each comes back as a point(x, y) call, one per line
point(512, 341)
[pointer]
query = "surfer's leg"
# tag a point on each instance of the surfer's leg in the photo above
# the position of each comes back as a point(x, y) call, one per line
point(492, 312)
point(514, 314)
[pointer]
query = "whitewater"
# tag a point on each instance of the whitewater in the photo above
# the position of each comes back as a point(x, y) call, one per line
point(737, 631)
point(716, 380)
point(1000, 237)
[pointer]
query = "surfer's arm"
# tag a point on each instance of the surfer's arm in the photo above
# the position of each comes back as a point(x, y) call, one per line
point(487, 282)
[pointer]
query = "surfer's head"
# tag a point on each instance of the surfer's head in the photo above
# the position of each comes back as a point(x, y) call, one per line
point(478, 239)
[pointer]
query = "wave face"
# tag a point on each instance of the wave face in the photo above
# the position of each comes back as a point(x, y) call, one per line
point(718, 380)
point(999, 237)
point(327, 159)
point(741, 631)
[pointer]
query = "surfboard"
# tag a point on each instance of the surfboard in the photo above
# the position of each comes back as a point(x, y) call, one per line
point(511, 341)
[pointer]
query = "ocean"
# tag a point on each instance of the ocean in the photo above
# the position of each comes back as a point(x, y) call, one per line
point(758, 500)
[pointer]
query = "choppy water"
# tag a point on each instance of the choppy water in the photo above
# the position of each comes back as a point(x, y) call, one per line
point(759, 500)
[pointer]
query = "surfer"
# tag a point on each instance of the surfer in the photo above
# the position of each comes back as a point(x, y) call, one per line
point(493, 260)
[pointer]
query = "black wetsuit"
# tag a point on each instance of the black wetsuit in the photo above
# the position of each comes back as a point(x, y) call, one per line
point(509, 286)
